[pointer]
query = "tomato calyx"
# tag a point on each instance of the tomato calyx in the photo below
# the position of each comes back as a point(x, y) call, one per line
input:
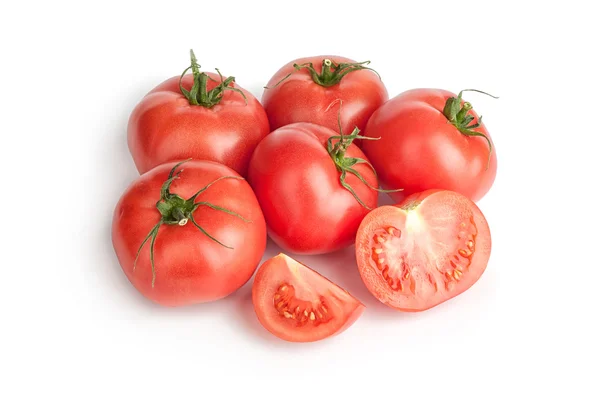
point(175, 210)
point(199, 95)
point(331, 72)
point(458, 115)
point(345, 164)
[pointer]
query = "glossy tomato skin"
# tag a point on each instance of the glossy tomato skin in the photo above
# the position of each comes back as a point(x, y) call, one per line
point(190, 267)
point(438, 247)
point(330, 309)
point(419, 150)
point(300, 99)
point(298, 187)
point(164, 127)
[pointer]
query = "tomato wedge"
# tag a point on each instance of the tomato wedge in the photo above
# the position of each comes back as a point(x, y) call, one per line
point(431, 247)
point(297, 304)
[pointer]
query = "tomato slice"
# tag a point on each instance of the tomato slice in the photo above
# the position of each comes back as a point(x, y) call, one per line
point(424, 251)
point(297, 304)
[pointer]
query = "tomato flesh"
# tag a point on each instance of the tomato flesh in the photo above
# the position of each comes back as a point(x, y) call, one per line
point(427, 249)
point(297, 304)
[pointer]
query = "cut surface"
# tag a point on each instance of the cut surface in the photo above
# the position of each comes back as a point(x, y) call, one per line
point(423, 251)
point(297, 304)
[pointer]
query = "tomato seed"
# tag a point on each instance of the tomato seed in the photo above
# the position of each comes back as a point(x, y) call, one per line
point(413, 285)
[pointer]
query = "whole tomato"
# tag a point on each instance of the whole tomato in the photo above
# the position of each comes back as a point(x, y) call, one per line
point(200, 116)
point(314, 187)
point(185, 236)
point(308, 89)
point(431, 139)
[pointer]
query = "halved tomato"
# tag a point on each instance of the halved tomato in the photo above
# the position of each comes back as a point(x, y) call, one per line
point(297, 304)
point(431, 247)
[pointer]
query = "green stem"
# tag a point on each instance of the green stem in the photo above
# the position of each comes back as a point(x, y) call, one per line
point(195, 66)
point(460, 116)
point(199, 93)
point(202, 79)
point(326, 72)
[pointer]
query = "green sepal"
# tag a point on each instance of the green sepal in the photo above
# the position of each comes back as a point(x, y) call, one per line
point(331, 72)
point(345, 164)
point(175, 210)
point(458, 115)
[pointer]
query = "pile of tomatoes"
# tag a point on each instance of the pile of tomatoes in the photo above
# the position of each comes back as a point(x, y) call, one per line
point(221, 170)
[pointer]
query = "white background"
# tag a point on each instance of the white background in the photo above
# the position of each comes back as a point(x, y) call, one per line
point(72, 325)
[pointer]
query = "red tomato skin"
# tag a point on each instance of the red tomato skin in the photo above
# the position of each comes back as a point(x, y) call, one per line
point(420, 150)
point(190, 267)
point(164, 127)
point(300, 99)
point(298, 187)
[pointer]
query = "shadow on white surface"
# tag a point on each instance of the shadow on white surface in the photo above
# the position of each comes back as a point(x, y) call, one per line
point(116, 172)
